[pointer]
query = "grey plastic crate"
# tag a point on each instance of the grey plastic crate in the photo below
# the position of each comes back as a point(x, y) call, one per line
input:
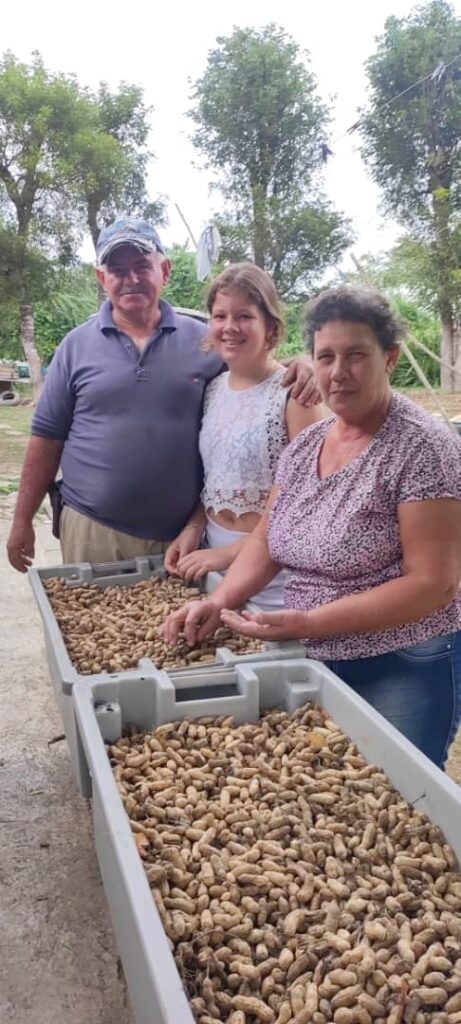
point(119, 574)
point(103, 709)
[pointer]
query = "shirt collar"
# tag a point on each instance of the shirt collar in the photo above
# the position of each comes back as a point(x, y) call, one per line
point(168, 320)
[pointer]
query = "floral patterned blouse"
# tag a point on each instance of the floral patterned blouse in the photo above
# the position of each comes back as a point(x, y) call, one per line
point(340, 535)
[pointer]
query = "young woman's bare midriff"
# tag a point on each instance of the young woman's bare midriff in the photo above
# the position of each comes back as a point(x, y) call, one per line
point(229, 521)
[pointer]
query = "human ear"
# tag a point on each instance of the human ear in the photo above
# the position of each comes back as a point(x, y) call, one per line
point(166, 271)
point(393, 357)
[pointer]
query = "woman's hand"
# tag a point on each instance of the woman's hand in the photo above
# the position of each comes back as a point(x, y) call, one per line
point(197, 564)
point(196, 619)
point(299, 379)
point(283, 625)
point(186, 541)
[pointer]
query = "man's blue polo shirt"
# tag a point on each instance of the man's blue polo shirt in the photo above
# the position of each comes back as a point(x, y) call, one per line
point(129, 421)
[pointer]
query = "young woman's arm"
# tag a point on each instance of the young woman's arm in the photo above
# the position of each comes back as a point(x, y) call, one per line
point(195, 565)
point(187, 540)
point(251, 571)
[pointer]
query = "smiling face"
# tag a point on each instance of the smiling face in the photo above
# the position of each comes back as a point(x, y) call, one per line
point(240, 332)
point(352, 369)
point(133, 281)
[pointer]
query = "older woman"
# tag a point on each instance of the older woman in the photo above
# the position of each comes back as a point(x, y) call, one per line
point(366, 516)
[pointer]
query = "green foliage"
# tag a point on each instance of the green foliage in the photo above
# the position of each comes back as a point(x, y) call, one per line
point(69, 159)
point(39, 113)
point(19, 258)
point(73, 300)
point(10, 339)
point(293, 341)
point(183, 288)
point(411, 145)
point(108, 158)
point(260, 125)
point(425, 328)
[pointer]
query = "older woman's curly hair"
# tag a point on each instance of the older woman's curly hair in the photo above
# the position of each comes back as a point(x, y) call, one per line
point(259, 288)
point(355, 305)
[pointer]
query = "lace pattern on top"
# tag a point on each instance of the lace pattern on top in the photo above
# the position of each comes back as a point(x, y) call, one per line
point(242, 437)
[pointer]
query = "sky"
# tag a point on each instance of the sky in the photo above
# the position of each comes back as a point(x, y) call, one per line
point(164, 47)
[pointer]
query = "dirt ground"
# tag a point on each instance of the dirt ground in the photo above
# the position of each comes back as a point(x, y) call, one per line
point(61, 964)
point(451, 403)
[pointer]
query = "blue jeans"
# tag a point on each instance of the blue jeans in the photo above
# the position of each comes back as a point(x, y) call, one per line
point(418, 689)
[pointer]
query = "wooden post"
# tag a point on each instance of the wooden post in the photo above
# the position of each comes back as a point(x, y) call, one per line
point(188, 228)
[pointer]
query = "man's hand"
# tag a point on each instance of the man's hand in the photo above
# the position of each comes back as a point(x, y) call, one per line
point(197, 564)
point(196, 619)
point(21, 546)
point(186, 541)
point(299, 378)
point(283, 625)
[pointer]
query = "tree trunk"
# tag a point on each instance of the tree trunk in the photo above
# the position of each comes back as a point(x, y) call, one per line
point(29, 347)
point(446, 271)
point(457, 354)
point(260, 232)
point(451, 353)
point(92, 217)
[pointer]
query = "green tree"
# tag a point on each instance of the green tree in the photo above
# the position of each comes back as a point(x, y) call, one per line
point(184, 288)
point(261, 127)
point(425, 327)
point(69, 160)
point(293, 341)
point(39, 111)
point(72, 299)
point(108, 158)
point(411, 145)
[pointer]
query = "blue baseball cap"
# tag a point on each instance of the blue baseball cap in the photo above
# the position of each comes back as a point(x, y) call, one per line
point(128, 231)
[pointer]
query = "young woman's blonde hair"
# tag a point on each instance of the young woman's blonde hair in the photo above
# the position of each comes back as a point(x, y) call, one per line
point(259, 288)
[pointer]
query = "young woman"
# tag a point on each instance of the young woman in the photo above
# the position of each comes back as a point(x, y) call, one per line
point(248, 420)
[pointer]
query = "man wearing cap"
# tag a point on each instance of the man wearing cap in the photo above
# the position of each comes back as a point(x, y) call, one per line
point(120, 412)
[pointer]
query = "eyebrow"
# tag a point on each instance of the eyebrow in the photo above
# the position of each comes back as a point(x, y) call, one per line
point(242, 309)
point(350, 348)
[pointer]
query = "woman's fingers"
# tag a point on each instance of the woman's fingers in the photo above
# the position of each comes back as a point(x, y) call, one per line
point(246, 623)
point(170, 560)
point(172, 626)
point(193, 572)
point(193, 566)
point(196, 620)
point(282, 625)
point(200, 622)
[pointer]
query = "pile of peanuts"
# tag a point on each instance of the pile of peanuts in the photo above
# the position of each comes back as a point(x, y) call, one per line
point(294, 883)
point(109, 629)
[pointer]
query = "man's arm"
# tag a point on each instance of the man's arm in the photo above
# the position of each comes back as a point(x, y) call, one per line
point(39, 469)
point(300, 380)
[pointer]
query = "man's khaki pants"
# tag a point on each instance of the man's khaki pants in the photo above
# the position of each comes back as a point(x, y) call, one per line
point(84, 540)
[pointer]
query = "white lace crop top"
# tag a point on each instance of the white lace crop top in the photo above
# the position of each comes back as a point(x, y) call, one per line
point(242, 437)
